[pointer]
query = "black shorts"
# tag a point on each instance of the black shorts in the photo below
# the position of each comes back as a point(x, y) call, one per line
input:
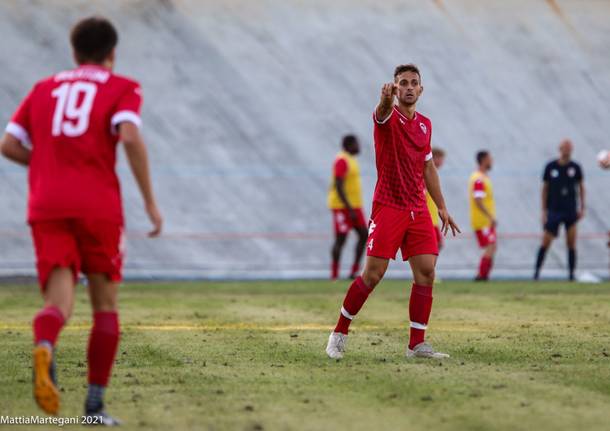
point(555, 219)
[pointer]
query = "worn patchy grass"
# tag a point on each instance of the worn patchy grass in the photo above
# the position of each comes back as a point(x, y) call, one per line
point(250, 355)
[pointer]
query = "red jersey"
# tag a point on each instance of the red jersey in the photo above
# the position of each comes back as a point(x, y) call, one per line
point(70, 120)
point(402, 147)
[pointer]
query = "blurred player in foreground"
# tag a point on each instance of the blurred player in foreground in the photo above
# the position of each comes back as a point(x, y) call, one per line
point(66, 131)
point(400, 218)
point(438, 157)
point(345, 202)
point(563, 202)
point(483, 213)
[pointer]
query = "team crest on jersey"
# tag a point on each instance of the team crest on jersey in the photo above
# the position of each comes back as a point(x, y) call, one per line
point(423, 128)
point(571, 172)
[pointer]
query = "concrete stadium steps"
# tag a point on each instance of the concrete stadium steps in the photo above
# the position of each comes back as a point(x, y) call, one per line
point(246, 101)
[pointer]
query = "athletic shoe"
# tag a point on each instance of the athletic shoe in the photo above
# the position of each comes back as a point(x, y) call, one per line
point(425, 350)
point(45, 388)
point(100, 418)
point(336, 345)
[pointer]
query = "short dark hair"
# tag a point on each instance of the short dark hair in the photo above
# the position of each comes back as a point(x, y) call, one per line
point(348, 140)
point(93, 39)
point(481, 155)
point(406, 68)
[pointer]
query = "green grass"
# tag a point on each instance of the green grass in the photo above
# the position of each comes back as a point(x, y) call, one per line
point(250, 355)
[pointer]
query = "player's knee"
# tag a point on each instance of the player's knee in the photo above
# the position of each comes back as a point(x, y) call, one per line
point(372, 277)
point(426, 276)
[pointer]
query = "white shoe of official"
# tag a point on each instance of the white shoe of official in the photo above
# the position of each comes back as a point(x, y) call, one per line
point(425, 350)
point(336, 345)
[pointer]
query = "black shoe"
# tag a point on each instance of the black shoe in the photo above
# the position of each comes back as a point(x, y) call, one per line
point(479, 278)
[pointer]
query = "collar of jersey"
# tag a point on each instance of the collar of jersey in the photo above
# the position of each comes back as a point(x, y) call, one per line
point(404, 116)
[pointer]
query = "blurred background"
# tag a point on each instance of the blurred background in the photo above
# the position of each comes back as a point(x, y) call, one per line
point(246, 101)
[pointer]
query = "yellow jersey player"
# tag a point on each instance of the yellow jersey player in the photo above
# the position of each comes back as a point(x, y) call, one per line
point(483, 213)
point(345, 202)
point(438, 157)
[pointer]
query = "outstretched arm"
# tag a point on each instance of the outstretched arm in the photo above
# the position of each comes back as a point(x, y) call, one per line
point(433, 185)
point(138, 161)
point(13, 149)
point(386, 102)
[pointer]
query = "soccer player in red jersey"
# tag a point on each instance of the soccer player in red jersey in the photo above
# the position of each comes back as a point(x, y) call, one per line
point(400, 217)
point(66, 131)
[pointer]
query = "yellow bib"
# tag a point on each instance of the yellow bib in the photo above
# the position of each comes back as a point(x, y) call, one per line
point(433, 209)
point(351, 184)
point(477, 218)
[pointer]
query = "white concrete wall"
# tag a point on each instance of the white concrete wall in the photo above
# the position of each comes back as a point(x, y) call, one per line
point(246, 102)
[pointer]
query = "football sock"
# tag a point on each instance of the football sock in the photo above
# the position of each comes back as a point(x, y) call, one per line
point(355, 268)
point(485, 267)
point(420, 306)
point(355, 298)
point(47, 325)
point(95, 398)
point(103, 344)
point(572, 261)
point(334, 270)
point(539, 260)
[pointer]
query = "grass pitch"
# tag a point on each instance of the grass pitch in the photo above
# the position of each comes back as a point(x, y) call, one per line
point(250, 356)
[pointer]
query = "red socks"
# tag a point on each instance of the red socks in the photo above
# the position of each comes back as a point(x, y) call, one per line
point(420, 306)
point(103, 344)
point(355, 298)
point(355, 268)
point(334, 270)
point(47, 324)
point(485, 267)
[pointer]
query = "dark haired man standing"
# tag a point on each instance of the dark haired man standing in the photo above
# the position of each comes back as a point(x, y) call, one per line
point(483, 213)
point(345, 202)
point(400, 217)
point(563, 202)
point(66, 131)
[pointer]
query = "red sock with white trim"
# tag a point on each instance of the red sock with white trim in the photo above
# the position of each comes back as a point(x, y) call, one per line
point(355, 298)
point(47, 324)
point(485, 267)
point(420, 306)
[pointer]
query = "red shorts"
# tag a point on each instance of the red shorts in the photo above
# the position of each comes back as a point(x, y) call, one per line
point(391, 229)
point(90, 246)
point(486, 236)
point(439, 236)
point(344, 223)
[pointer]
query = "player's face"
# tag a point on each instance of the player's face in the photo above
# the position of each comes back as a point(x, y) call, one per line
point(409, 88)
point(488, 162)
point(438, 161)
point(565, 149)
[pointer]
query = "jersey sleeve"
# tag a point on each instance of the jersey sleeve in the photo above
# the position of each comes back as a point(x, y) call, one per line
point(546, 176)
point(578, 176)
point(478, 189)
point(429, 146)
point(385, 121)
point(340, 168)
point(19, 125)
point(128, 107)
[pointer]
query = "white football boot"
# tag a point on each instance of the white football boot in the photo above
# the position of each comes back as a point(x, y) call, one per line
point(336, 345)
point(425, 350)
